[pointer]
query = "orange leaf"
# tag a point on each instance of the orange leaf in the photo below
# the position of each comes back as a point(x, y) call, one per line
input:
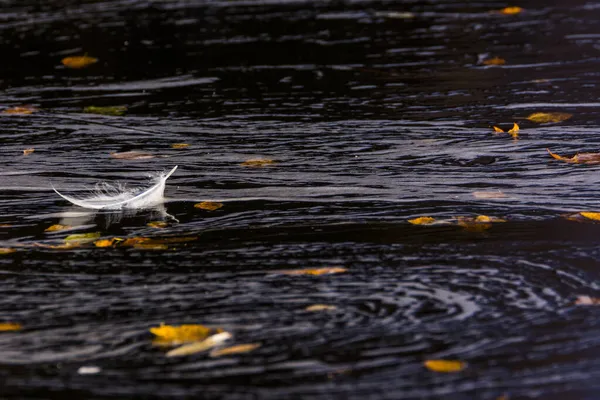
point(77, 62)
point(238, 349)
point(514, 132)
point(6, 250)
point(208, 205)
point(314, 271)
point(134, 240)
point(179, 145)
point(494, 61)
point(157, 224)
point(10, 326)
point(20, 110)
point(422, 221)
point(57, 227)
point(498, 130)
point(104, 242)
point(445, 365)
point(257, 162)
point(177, 334)
point(511, 10)
point(591, 215)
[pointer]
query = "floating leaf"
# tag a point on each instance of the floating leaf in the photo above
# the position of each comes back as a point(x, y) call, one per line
point(498, 130)
point(179, 145)
point(257, 162)
point(150, 246)
point(132, 155)
point(209, 205)
point(82, 237)
point(171, 240)
point(542, 118)
point(91, 370)
point(579, 158)
point(157, 224)
point(77, 62)
point(198, 347)
point(114, 111)
point(63, 246)
point(6, 250)
point(514, 132)
point(422, 221)
point(314, 271)
point(177, 334)
point(20, 110)
point(320, 307)
point(238, 349)
point(57, 227)
point(511, 10)
point(134, 240)
point(27, 152)
point(477, 224)
point(587, 301)
point(494, 61)
point(394, 14)
point(445, 365)
point(489, 195)
point(591, 215)
point(104, 242)
point(10, 327)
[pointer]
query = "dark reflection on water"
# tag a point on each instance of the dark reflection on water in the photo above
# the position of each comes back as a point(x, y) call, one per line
point(373, 117)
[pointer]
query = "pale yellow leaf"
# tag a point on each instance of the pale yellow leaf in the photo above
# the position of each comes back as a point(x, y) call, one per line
point(445, 365)
point(587, 301)
point(57, 227)
point(237, 349)
point(320, 307)
point(28, 151)
point(258, 162)
point(179, 145)
point(198, 347)
point(549, 117)
point(82, 237)
point(489, 195)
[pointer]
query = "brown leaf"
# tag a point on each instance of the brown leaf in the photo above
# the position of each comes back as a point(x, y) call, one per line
point(132, 155)
point(20, 110)
point(57, 227)
point(445, 366)
point(494, 61)
point(77, 62)
point(114, 111)
point(10, 327)
point(320, 307)
point(579, 158)
point(314, 271)
point(257, 162)
point(542, 118)
point(489, 195)
point(208, 205)
point(179, 145)
point(237, 349)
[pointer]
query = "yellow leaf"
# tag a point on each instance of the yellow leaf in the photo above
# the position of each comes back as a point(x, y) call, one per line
point(587, 301)
point(494, 61)
point(157, 224)
point(104, 242)
point(110, 110)
point(422, 221)
point(177, 334)
point(20, 110)
point(150, 246)
point(10, 326)
point(6, 250)
point(486, 219)
point(514, 132)
point(314, 271)
point(57, 227)
point(208, 205)
point(498, 130)
point(591, 215)
point(257, 162)
point(198, 347)
point(82, 237)
point(238, 349)
point(477, 224)
point(132, 155)
point(579, 158)
point(549, 117)
point(133, 241)
point(320, 307)
point(489, 195)
point(445, 365)
point(511, 10)
point(27, 152)
point(77, 62)
point(179, 145)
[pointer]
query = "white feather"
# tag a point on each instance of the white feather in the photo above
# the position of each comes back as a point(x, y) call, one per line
point(115, 198)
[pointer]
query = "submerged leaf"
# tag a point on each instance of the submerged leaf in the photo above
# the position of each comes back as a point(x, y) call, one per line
point(549, 117)
point(6, 250)
point(57, 227)
point(237, 349)
point(10, 326)
point(177, 334)
point(494, 61)
point(20, 110)
point(320, 307)
point(314, 271)
point(489, 195)
point(82, 237)
point(511, 10)
point(27, 152)
point(257, 162)
point(422, 221)
point(477, 224)
point(132, 155)
point(198, 347)
point(179, 145)
point(77, 62)
point(445, 365)
point(114, 111)
point(157, 224)
point(208, 205)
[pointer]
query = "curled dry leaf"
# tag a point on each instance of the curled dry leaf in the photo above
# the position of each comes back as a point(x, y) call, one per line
point(314, 271)
point(114, 111)
point(198, 347)
point(494, 61)
point(587, 301)
point(208, 205)
point(179, 145)
point(132, 155)
point(157, 224)
point(237, 349)
point(20, 110)
point(445, 365)
point(10, 326)
point(77, 62)
point(177, 334)
point(28, 151)
point(257, 162)
point(542, 118)
point(511, 10)
point(489, 195)
point(6, 250)
point(57, 227)
point(579, 158)
point(422, 221)
point(320, 307)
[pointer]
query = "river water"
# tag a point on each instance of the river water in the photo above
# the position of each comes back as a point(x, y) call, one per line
point(373, 113)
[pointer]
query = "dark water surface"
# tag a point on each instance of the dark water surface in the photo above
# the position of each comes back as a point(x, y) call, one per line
point(373, 117)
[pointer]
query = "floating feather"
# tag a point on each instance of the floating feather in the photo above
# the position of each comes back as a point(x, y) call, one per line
point(111, 197)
